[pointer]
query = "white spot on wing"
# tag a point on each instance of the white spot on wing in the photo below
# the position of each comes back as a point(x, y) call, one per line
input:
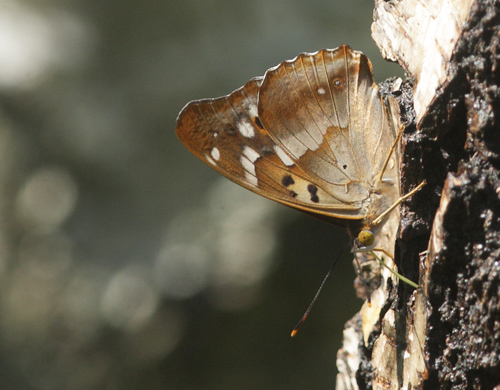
point(283, 156)
point(251, 154)
point(251, 108)
point(251, 179)
point(321, 91)
point(245, 128)
point(248, 165)
point(296, 148)
point(209, 159)
point(215, 154)
point(247, 161)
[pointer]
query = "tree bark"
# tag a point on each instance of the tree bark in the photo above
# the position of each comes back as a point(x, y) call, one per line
point(446, 334)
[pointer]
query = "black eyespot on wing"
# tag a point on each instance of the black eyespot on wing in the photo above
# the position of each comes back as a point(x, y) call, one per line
point(344, 166)
point(293, 194)
point(287, 180)
point(313, 190)
point(230, 130)
point(258, 122)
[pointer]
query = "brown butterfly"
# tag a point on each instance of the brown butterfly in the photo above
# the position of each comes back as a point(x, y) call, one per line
point(313, 134)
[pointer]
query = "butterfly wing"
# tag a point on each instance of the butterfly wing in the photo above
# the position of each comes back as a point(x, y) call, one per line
point(325, 111)
point(227, 134)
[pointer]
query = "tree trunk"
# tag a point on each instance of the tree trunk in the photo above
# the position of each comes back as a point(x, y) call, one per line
point(446, 334)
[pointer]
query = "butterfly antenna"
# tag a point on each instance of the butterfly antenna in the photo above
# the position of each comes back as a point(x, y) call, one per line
point(302, 320)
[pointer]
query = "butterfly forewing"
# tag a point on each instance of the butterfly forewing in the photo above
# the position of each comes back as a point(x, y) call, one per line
point(227, 134)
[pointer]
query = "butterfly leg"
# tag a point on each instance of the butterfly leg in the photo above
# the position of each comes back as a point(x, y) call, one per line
point(381, 217)
point(384, 252)
point(398, 275)
point(391, 150)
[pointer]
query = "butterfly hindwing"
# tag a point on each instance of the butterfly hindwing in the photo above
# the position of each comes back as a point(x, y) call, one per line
point(311, 107)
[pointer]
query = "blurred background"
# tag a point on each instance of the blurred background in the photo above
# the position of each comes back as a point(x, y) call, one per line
point(126, 263)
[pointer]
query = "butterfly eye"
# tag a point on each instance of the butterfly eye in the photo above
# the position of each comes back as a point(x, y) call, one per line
point(366, 237)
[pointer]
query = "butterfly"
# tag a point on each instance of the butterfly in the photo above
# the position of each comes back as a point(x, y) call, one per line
point(313, 134)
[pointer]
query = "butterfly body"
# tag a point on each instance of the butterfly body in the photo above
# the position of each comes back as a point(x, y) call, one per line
point(313, 134)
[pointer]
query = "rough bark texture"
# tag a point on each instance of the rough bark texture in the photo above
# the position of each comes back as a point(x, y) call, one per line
point(447, 333)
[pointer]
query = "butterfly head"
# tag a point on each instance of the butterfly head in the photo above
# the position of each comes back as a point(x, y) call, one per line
point(363, 241)
point(366, 238)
